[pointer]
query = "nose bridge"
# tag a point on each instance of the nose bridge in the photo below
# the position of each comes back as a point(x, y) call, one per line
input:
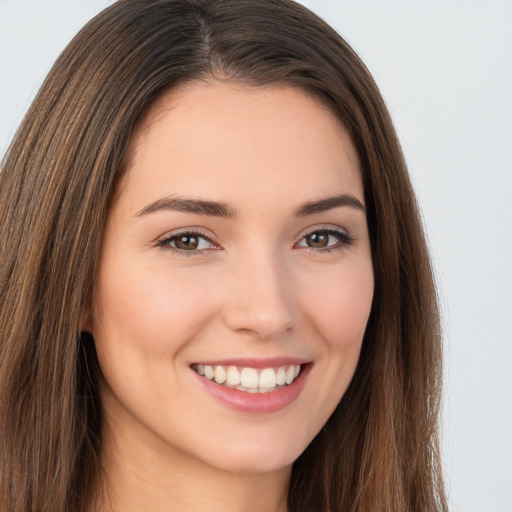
point(260, 293)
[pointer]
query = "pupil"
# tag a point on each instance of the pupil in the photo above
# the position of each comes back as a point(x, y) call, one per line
point(318, 240)
point(187, 242)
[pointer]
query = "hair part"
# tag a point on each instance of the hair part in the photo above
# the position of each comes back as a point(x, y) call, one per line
point(379, 450)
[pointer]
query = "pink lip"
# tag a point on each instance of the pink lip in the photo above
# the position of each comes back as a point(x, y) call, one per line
point(256, 403)
point(274, 362)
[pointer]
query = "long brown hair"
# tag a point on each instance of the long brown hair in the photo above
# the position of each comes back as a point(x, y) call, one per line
point(379, 450)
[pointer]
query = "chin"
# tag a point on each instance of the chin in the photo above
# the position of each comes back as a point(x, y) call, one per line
point(252, 464)
point(259, 456)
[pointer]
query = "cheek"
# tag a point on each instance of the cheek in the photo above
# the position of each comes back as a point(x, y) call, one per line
point(141, 322)
point(340, 307)
point(152, 311)
point(337, 308)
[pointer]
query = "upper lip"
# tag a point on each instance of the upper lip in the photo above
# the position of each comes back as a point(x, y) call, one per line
point(247, 362)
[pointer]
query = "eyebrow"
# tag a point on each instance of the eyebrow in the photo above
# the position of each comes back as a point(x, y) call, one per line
point(220, 209)
point(329, 203)
point(200, 207)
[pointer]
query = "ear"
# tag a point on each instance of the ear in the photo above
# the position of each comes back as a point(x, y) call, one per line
point(87, 323)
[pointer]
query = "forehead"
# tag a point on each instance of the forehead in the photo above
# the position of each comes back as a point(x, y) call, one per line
point(217, 139)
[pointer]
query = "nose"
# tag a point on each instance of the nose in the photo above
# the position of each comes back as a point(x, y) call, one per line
point(260, 300)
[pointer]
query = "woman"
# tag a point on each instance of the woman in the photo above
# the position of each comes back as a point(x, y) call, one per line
point(215, 289)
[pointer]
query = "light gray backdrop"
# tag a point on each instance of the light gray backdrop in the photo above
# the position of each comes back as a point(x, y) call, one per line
point(445, 69)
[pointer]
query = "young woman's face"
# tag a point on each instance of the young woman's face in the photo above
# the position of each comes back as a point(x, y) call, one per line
point(236, 247)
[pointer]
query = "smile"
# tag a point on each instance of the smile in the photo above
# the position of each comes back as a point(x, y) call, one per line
point(250, 380)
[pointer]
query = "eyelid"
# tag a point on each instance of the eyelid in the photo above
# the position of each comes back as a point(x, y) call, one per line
point(345, 237)
point(163, 242)
point(322, 227)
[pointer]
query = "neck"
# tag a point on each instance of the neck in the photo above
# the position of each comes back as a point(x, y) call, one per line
point(160, 480)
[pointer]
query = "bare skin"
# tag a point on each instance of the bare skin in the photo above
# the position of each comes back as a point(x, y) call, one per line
point(136, 483)
point(279, 269)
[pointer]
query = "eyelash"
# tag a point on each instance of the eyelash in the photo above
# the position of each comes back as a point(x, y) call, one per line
point(344, 240)
point(165, 243)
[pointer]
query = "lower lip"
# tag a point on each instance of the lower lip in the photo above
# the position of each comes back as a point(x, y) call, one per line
point(257, 403)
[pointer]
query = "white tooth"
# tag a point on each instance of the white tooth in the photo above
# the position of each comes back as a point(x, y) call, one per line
point(281, 376)
point(220, 375)
point(264, 390)
point(233, 377)
point(289, 374)
point(200, 369)
point(249, 378)
point(296, 370)
point(208, 372)
point(253, 390)
point(267, 378)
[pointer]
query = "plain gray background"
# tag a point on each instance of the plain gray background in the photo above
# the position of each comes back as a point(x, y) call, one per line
point(445, 70)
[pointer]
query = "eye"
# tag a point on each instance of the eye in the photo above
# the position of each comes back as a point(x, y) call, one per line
point(188, 241)
point(326, 239)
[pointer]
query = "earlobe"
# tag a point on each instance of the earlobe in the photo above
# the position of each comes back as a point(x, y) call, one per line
point(87, 323)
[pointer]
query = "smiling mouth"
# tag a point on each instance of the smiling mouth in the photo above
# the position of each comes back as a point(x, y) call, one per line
point(250, 380)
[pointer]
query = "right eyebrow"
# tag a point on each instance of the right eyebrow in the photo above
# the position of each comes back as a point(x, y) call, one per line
point(200, 207)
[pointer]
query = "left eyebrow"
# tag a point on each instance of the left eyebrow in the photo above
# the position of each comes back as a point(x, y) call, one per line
point(329, 203)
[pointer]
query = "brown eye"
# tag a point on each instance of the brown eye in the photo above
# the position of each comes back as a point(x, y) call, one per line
point(317, 240)
point(186, 242)
point(323, 240)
